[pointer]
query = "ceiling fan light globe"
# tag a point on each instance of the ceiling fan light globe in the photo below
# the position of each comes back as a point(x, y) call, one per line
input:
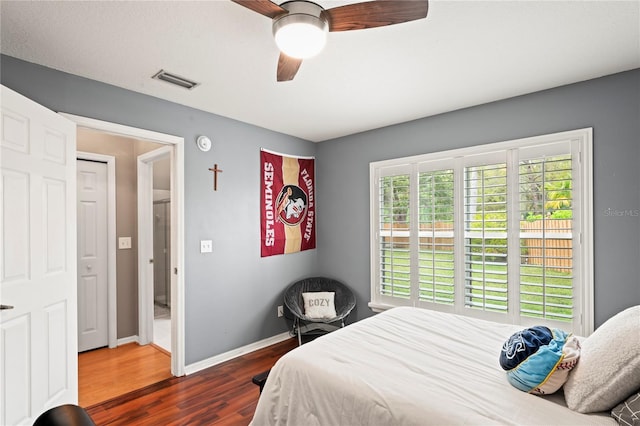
point(302, 32)
point(301, 39)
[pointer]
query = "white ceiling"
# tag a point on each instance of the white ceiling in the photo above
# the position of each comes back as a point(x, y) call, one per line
point(464, 53)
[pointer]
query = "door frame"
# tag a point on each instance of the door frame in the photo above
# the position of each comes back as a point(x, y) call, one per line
point(145, 240)
point(177, 223)
point(112, 312)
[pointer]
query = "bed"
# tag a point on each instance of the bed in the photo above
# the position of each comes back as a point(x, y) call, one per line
point(407, 366)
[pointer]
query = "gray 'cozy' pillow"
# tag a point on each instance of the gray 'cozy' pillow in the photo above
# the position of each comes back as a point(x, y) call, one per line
point(609, 366)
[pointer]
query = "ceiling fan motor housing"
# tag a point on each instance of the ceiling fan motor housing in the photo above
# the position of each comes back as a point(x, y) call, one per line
point(306, 14)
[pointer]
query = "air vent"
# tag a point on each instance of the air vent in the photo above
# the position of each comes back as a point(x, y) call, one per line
point(175, 79)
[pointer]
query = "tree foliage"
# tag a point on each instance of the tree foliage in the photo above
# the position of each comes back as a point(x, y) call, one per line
point(545, 190)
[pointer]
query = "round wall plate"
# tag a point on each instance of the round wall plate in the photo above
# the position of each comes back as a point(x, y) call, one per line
point(204, 143)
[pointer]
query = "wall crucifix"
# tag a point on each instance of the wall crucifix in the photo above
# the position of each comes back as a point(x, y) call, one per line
point(215, 170)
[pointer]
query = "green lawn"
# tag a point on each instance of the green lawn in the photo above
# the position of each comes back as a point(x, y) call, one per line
point(486, 285)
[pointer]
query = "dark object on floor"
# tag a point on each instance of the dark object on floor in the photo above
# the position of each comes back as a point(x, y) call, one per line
point(261, 379)
point(65, 415)
point(344, 301)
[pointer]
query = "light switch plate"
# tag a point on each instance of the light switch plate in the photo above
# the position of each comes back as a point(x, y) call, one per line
point(206, 246)
point(124, 243)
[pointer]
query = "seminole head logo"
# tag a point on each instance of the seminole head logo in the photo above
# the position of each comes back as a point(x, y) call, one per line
point(292, 205)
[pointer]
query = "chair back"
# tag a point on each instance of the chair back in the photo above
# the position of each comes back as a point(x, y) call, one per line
point(65, 415)
point(344, 298)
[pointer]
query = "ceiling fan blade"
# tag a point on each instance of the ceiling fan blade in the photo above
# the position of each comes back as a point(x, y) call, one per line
point(287, 67)
point(371, 14)
point(263, 7)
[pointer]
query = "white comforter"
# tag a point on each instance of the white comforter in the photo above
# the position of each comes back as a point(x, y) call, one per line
point(406, 366)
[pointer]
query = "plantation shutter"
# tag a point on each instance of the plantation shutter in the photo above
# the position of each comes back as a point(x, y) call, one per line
point(546, 232)
point(501, 232)
point(394, 223)
point(485, 242)
point(436, 236)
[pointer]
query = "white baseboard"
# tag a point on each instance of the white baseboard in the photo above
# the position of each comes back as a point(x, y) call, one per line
point(130, 339)
point(218, 359)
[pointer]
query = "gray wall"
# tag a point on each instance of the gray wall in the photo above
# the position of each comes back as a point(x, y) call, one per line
point(611, 105)
point(231, 294)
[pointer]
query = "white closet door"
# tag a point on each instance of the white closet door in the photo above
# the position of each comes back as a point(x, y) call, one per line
point(93, 325)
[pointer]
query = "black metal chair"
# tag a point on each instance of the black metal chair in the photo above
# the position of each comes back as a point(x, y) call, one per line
point(65, 415)
point(344, 301)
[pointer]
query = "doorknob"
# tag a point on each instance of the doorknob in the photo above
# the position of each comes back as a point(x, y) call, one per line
point(89, 267)
point(150, 260)
point(3, 307)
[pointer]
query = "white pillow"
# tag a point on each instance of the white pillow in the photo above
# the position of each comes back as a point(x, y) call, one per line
point(609, 366)
point(319, 304)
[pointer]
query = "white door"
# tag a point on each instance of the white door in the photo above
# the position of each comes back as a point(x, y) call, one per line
point(93, 329)
point(38, 337)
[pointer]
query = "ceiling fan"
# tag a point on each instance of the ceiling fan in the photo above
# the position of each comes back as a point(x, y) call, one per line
point(300, 27)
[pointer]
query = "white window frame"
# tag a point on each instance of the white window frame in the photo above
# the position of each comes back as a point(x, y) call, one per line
point(583, 292)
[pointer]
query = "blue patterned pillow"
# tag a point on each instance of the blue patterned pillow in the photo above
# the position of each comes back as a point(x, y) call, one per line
point(523, 344)
point(538, 360)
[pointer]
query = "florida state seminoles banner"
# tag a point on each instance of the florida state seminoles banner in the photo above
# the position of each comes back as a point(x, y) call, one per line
point(287, 212)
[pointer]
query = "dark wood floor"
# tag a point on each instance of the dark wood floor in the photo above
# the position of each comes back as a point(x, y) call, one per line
point(219, 395)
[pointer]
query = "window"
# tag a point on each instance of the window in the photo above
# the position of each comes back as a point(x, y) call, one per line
point(500, 231)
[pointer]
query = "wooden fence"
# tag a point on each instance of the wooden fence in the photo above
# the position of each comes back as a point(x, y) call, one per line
point(427, 243)
point(553, 251)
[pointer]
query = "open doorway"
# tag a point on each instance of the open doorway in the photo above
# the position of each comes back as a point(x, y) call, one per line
point(162, 254)
point(126, 326)
point(161, 273)
point(154, 236)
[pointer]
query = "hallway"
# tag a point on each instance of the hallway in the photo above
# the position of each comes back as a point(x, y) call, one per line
point(106, 373)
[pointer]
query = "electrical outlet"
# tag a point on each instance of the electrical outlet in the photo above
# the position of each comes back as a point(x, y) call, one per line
point(280, 311)
point(206, 246)
point(124, 243)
